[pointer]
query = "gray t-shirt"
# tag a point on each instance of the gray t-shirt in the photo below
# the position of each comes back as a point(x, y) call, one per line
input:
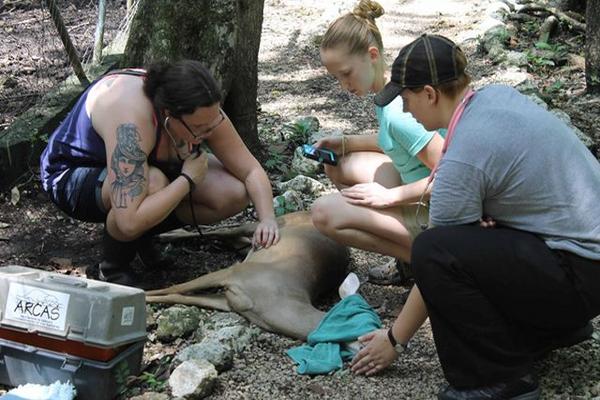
point(519, 164)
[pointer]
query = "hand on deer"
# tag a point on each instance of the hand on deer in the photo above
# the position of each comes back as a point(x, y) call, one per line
point(266, 233)
point(377, 354)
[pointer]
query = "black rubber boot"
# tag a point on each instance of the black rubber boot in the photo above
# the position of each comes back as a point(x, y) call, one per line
point(150, 256)
point(116, 268)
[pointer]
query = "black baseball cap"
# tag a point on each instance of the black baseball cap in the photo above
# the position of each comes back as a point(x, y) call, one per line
point(427, 60)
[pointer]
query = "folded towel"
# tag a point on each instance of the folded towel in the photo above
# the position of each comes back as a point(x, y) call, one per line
point(326, 350)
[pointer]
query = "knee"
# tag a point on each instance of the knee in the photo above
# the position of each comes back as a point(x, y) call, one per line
point(157, 180)
point(426, 250)
point(229, 201)
point(321, 213)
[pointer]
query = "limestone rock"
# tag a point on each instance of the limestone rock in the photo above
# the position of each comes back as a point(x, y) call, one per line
point(304, 166)
point(303, 184)
point(211, 350)
point(177, 321)
point(193, 379)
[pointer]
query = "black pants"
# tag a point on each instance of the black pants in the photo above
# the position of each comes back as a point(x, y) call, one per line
point(495, 296)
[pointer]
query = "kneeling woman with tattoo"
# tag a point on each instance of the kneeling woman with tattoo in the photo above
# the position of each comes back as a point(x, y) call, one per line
point(125, 156)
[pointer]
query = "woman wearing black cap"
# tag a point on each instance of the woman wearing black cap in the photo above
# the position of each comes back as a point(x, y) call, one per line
point(501, 296)
point(127, 155)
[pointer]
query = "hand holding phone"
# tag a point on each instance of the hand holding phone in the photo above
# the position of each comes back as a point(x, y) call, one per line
point(319, 154)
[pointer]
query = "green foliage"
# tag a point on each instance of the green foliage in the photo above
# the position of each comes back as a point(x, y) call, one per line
point(298, 132)
point(122, 372)
point(154, 383)
point(277, 161)
point(553, 89)
point(283, 207)
point(545, 55)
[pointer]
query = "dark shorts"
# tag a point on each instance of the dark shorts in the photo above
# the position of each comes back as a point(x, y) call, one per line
point(79, 195)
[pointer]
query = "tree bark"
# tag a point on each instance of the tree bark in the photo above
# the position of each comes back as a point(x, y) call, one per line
point(592, 47)
point(241, 101)
point(222, 34)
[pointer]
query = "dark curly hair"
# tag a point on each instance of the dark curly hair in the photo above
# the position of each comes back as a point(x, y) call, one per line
point(181, 87)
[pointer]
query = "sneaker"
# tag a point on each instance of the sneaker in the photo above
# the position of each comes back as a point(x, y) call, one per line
point(395, 272)
point(524, 388)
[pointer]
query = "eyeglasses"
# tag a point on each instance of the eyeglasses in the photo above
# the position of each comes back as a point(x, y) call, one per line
point(204, 132)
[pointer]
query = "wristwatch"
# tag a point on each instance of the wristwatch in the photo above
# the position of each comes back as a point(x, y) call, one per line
point(398, 347)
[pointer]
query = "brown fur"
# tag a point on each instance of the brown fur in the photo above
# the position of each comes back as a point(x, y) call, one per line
point(274, 288)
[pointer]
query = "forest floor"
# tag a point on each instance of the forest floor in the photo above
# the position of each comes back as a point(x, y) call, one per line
point(292, 83)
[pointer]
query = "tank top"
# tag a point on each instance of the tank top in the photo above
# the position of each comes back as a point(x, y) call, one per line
point(75, 142)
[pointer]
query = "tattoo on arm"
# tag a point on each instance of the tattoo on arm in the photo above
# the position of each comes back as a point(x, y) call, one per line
point(128, 165)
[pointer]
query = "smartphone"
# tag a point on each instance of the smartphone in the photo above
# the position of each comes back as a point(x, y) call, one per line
point(319, 154)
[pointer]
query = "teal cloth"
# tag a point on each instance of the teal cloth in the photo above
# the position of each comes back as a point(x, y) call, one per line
point(344, 323)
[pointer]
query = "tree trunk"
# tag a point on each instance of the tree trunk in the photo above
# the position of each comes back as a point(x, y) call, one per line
point(592, 47)
point(240, 103)
point(575, 5)
point(223, 34)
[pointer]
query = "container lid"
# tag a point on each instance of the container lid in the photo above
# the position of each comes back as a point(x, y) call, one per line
point(58, 306)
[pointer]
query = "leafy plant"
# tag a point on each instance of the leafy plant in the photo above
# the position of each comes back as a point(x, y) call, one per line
point(546, 55)
point(155, 384)
point(277, 160)
point(299, 131)
point(554, 87)
point(122, 372)
point(283, 207)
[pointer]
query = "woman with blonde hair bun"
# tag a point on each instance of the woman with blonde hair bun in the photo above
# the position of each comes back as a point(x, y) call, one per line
point(381, 177)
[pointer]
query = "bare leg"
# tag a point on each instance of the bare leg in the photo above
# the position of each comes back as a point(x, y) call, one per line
point(380, 231)
point(363, 167)
point(219, 196)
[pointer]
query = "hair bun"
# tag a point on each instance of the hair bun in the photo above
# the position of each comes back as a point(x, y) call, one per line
point(368, 9)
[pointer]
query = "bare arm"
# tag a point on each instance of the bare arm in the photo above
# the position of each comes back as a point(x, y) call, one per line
point(411, 318)
point(375, 195)
point(378, 352)
point(229, 148)
point(342, 145)
point(133, 210)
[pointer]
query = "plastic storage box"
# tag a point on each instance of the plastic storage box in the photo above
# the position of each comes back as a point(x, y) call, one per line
point(71, 309)
point(94, 380)
point(56, 327)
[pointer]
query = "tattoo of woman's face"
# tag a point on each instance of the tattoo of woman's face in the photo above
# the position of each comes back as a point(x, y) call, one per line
point(128, 165)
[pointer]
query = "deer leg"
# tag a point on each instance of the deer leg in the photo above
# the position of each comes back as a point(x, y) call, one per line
point(214, 279)
point(214, 301)
point(292, 318)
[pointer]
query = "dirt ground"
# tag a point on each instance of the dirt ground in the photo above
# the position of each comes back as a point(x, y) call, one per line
point(292, 83)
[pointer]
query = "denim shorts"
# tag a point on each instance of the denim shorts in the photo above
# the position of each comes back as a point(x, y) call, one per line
point(78, 193)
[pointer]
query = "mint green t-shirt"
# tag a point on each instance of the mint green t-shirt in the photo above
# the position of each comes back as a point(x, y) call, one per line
point(401, 137)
